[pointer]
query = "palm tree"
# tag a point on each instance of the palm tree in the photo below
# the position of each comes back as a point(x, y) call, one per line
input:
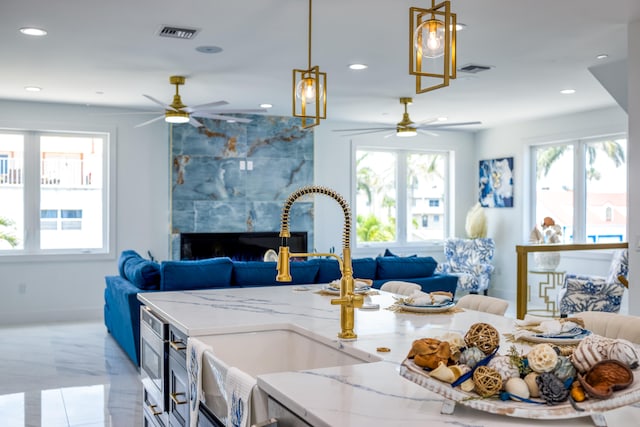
point(613, 149)
point(7, 235)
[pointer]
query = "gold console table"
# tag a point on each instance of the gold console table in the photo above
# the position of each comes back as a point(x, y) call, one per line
point(523, 251)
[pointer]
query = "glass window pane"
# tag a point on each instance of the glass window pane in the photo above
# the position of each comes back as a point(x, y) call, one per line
point(376, 196)
point(554, 187)
point(11, 191)
point(606, 187)
point(425, 196)
point(71, 183)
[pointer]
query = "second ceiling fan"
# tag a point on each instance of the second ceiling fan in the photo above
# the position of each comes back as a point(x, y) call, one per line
point(406, 127)
point(177, 112)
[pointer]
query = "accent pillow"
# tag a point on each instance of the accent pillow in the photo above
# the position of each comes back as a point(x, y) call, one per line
point(405, 267)
point(329, 270)
point(144, 274)
point(259, 273)
point(193, 275)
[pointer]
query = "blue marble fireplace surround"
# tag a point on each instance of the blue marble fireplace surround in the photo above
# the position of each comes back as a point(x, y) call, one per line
point(229, 177)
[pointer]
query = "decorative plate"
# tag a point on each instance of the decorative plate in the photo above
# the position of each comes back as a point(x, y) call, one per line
point(570, 337)
point(427, 308)
point(336, 291)
point(512, 408)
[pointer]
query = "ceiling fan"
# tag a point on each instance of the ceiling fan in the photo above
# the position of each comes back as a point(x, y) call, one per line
point(406, 127)
point(177, 112)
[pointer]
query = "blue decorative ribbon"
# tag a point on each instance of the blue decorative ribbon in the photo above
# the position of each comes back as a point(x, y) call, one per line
point(468, 375)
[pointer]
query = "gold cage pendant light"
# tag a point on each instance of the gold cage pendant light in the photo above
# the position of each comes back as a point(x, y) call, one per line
point(432, 46)
point(310, 90)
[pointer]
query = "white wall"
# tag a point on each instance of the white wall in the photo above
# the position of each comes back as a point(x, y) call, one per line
point(33, 290)
point(511, 226)
point(332, 157)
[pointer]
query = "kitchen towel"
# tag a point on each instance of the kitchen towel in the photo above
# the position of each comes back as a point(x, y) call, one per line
point(195, 350)
point(238, 388)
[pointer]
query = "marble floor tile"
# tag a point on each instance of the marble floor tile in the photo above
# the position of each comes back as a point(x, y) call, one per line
point(67, 375)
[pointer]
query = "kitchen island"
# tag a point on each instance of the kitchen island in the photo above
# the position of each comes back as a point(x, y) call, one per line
point(355, 395)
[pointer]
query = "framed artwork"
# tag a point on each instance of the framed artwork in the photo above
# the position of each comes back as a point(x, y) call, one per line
point(496, 183)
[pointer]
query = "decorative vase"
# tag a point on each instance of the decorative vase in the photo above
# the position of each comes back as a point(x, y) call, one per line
point(547, 261)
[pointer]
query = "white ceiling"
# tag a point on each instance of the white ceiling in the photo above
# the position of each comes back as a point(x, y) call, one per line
point(108, 53)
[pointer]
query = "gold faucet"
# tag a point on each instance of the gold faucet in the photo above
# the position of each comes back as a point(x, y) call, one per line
point(348, 300)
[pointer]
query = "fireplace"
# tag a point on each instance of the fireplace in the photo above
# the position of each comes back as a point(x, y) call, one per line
point(249, 246)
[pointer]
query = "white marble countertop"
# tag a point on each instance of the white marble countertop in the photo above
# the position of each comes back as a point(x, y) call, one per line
point(356, 395)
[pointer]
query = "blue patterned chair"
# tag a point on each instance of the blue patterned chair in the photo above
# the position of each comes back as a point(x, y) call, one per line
point(596, 293)
point(469, 260)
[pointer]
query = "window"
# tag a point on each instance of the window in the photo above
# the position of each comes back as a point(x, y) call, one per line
point(582, 185)
point(400, 196)
point(53, 192)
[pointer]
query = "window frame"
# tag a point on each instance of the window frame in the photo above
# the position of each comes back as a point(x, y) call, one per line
point(31, 250)
point(579, 179)
point(402, 153)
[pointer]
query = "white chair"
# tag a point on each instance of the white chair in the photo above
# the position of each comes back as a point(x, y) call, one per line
point(611, 325)
point(483, 303)
point(399, 287)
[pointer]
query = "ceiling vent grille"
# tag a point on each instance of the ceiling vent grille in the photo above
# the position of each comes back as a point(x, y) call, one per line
point(178, 32)
point(474, 68)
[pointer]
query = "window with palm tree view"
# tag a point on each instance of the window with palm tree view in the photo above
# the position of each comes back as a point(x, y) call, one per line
point(582, 185)
point(400, 196)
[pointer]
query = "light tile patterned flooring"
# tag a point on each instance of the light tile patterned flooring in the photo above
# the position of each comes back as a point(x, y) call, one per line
point(67, 375)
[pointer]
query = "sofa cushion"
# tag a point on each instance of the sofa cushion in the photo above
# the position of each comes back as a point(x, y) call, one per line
point(259, 273)
point(404, 267)
point(199, 274)
point(141, 272)
point(329, 269)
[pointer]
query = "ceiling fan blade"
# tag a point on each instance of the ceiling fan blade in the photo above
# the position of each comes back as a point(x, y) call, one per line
point(237, 111)
point(193, 122)
point(155, 119)
point(426, 132)
point(205, 106)
point(448, 125)
point(361, 129)
point(162, 104)
point(220, 117)
point(426, 122)
point(367, 131)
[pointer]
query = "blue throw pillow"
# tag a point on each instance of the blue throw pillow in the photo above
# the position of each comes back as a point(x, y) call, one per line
point(329, 269)
point(404, 267)
point(144, 274)
point(192, 275)
point(258, 273)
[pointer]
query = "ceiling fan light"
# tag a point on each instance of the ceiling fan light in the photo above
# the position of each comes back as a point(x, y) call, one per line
point(176, 117)
point(406, 132)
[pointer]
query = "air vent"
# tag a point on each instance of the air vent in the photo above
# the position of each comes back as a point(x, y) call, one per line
point(474, 68)
point(178, 32)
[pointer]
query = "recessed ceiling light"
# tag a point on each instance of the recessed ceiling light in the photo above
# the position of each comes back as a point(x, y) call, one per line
point(231, 120)
point(442, 119)
point(358, 66)
point(460, 26)
point(568, 91)
point(32, 88)
point(266, 105)
point(209, 49)
point(31, 31)
point(602, 56)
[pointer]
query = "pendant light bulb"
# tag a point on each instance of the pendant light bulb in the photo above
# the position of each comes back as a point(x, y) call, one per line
point(429, 38)
point(306, 90)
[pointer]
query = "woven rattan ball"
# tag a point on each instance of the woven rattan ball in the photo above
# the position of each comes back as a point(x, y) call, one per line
point(488, 381)
point(484, 336)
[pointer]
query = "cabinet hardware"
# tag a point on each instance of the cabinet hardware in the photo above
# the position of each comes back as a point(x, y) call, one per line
point(174, 397)
point(177, 345)
point(152, 408)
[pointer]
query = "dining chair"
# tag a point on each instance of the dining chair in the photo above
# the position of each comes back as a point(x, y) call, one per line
point(611, 325)
point(400, 287)
point(483, 303)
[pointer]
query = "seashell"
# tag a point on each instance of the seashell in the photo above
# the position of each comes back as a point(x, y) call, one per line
point(564, 368)
point(605, 377)
point(467, 385)
point(590, 351)
point(518, 387)
point(458, 370)
point(542, 358)
point(530, 380)
point(443, 373)
point(471, 356)
point(624, 351)
point(503, 365)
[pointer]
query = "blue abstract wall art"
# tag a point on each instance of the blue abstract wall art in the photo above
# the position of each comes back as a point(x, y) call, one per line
point(496, 183)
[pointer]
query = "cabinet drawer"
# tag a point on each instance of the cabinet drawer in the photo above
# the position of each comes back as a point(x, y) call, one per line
point(178, 346)
point(152, 414)
point(178, 393)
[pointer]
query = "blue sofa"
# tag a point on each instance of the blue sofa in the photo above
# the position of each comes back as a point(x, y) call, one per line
point(136, 274)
